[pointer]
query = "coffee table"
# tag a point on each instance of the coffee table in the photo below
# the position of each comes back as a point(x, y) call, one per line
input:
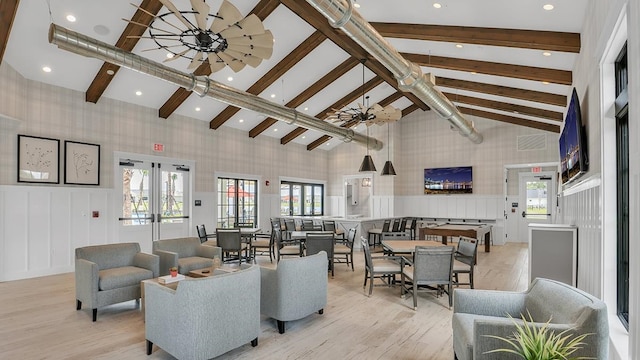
point(208, 271)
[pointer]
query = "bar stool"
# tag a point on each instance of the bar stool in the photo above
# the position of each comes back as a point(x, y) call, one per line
point(377, 232)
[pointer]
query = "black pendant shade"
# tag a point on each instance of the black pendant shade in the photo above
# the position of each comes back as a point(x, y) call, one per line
point(367, 164)
point(388, 168)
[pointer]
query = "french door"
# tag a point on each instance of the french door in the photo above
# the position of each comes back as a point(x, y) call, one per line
point(537, 195)
point(154, 201)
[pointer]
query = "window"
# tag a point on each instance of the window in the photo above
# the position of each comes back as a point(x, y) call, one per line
point(622, 190)
point(237, 202)
point(301, 199)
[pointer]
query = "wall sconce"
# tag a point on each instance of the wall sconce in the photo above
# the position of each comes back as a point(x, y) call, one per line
point(366, 182)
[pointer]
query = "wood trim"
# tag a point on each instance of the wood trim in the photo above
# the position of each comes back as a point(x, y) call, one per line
point(511, 119)
point(299, 53)
point(499, 105)
point(562, 77)
point(515, 93)
point(263, 9)
point(515, 38)
point(330, 77)
point(321, 140)
point(409, 109)
point(292, 135)
point(102, 79)
point(8, 10)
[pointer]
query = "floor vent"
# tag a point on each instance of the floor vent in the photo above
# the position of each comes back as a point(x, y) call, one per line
point(532, 142)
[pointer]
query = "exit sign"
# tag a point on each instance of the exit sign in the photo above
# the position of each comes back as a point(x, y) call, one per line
point(158, 147)
point(536, 169)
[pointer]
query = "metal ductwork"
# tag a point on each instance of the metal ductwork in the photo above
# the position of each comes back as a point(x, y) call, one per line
point(83, 45)
point(409, 75)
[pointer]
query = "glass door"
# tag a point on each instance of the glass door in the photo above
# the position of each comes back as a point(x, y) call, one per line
point(537, 194)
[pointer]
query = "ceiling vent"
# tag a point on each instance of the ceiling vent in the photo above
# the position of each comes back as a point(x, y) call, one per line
point(532, 142)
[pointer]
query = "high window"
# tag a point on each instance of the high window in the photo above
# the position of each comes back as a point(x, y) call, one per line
point(301, 199)
point(237, 202)
point(622, 174)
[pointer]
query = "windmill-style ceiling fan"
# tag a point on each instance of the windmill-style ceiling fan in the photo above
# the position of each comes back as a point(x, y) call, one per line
point(227, 40)
point(365, 113)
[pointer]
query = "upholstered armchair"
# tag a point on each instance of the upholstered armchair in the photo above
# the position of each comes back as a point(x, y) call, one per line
point(295, 289)
point(184, 253)
point(204, 317)
point(110, 274)
point(478, 313)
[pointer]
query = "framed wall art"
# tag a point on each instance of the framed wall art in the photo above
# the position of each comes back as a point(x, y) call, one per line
point(81, 163)
point(38, 160)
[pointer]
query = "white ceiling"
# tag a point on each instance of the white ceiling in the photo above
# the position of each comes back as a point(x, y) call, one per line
point(28, 51)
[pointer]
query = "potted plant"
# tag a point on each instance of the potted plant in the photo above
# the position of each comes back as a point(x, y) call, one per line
point(173, 271)
point(540, 343)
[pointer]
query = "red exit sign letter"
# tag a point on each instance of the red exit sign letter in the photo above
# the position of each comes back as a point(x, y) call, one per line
point(158, 147)
point(536, 169)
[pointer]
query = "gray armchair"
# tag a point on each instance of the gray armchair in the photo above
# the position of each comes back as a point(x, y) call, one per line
point(110, 274)
point(204, 317)
point(484, 312)
point(295, 289)
point(184, 253)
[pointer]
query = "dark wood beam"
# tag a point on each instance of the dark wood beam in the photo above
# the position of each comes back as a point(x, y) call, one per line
point(555, 76)
point(315, 19)
point(263, 9)
point(409, 109)
point(299, 53)
point(330, 77)
point(499, 105)
point(344, 101)
point(515, 93)
point(321, 140)
point(103, 79)
point(511, 119)
point(8, 10)
point(527, 39)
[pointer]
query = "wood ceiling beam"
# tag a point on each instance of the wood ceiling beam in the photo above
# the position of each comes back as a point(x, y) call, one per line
point(510, 92)
point(527, 39)
point(102, 78)
point(315, 19)
point(562, 77)
point(330, 77)
point(344, 101)
point(299, 53)
point(409, 109)
point(499, 105)
point(8, 10)
point(384, 102)
point(511, 120)
point(262, 10)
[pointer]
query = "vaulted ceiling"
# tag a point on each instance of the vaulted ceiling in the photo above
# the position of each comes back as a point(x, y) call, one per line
point(506, 61)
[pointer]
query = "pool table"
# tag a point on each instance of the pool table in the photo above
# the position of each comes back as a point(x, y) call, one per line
point(476, 231)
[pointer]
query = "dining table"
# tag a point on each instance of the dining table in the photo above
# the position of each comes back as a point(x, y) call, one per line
point(406, 246)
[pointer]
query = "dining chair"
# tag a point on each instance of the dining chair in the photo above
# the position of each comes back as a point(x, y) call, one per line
point(286, 247)
point(412, 227)
point(230, 241)
point(345, 248)
point(383, 267)
point(396, 225)
point(330, 225)
point(376, 233)
point(204, 237)
point(308, 225)
point(320, 241)
point(431, 269)
point(265, 245)
point(289, 226)
point(465, 260)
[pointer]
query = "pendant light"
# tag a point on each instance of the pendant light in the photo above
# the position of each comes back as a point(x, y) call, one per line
point(388, 166)
point(367, 163)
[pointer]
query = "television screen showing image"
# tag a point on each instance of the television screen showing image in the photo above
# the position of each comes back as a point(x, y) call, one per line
point(448, 180)
point(573, 159)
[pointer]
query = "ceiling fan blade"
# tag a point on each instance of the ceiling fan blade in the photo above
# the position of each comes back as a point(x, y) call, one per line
point(234, 64)
point(176, 56)
point(215, 63)
point(196, 61)
point(227, 16)
point(257, 51)
point(264, 40)
point(251, 25)
point(169, 5)
point(202, 13)
point(253, 61)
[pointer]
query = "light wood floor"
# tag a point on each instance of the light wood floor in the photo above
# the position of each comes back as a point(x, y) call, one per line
point(39, 321)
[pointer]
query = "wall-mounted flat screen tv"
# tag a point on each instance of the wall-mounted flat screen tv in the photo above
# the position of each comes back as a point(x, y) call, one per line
point(572, 143)
point(448, 180)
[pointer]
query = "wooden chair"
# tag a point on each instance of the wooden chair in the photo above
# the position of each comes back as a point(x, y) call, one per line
point(345, 248)
point(321, 241)
point(377, 232)
point(230, 240)
point(382, 267)
point(431, 270)
point(204, 237)
point(465, 260)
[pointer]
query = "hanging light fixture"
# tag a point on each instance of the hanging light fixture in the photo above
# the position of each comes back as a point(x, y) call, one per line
point(388, 166)
point(367, 163)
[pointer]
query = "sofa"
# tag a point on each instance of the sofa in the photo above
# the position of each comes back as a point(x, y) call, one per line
point(478, 313)
point(184, 253)
point(110, 274)
point(295, 289)
point(204, 317)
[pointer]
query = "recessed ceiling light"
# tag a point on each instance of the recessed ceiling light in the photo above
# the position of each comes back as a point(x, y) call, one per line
point(138, 92)
point(473, 73)
point(46, 69)
point(548, 7)
point(197, 109)
point(101, 30)
point(110, 72)
point(274, 130)
point(437, 5)
point(546, 53)
point(459, 46)
point(230, 78)
point(71, 18)
point(545, 82)
point(273, 96)
point(306, 108)
point(241, 120)
point(328, 144)
point(169, 55)
point(304, 136)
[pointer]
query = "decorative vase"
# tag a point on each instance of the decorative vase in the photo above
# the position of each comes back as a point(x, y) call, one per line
point(173, 273)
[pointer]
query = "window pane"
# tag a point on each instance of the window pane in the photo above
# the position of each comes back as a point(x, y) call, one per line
point(296, 191)
point(301, 199)
point(285, 199)
point(537, 200)
point(172, 197)
point(135, 190)
point(308, 200)
point(317, 200)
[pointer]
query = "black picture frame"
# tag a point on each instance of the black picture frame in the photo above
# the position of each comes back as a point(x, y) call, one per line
point(81, 163)
point(38, 160)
